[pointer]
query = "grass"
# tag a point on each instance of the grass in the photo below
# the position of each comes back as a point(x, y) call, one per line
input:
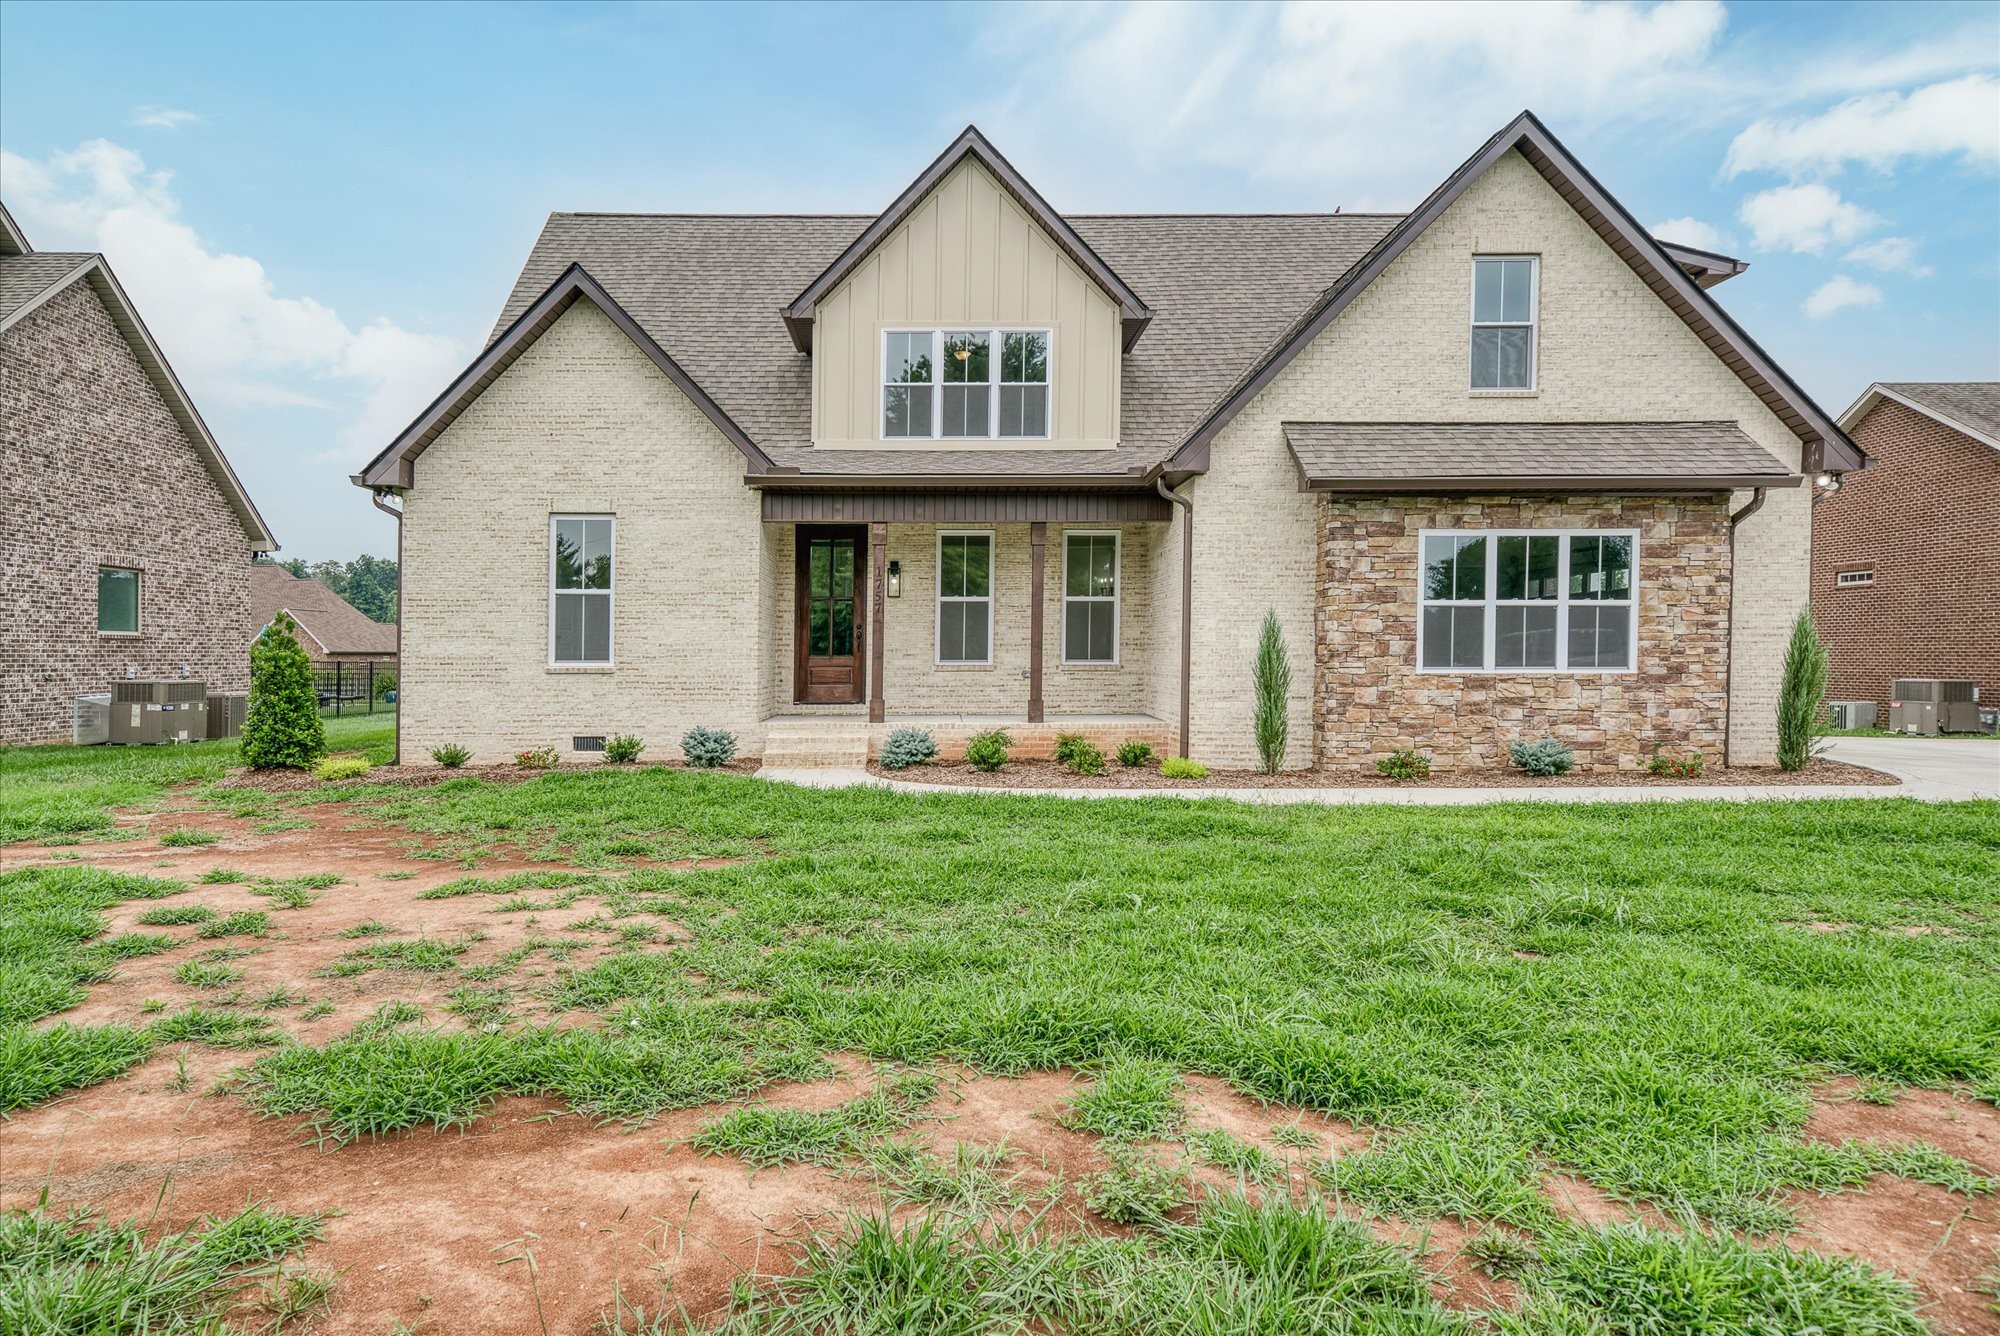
point(243, 923)
point(1130, 1099)
point(763, 1135)
point(1138, 1187)
point(186, 837)
point(1233, 1155)
point(176, 916)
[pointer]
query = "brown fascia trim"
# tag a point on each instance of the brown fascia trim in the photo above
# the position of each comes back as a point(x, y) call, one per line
point(779, 479)
point(1707, 268)
point(1877, 392)
point(13, 241)
point(1134, 313)
point(1633, 243)
point(1653, 484)
point(393, 467)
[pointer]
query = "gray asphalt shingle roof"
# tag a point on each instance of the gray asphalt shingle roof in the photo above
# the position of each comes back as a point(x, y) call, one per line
point(1976, 403)
point(1375, 454)
point(26, 277)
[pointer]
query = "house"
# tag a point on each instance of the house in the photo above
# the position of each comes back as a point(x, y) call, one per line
point(331, 629)
point(1501, 466)
point(1906, 555)
point(125, 537)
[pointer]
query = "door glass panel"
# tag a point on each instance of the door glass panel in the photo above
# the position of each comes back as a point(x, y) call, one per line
point(843, 569)
point(819, 632)
point(819, 568)
point(843, 626)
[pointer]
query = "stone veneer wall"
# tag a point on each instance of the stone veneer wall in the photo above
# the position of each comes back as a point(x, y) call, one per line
point(1370, 699)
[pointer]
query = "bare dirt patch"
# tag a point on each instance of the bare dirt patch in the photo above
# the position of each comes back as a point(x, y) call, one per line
point(1049, 775)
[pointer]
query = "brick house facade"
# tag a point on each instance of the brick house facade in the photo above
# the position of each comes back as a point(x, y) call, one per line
point(106, 467)
point(1917, 536)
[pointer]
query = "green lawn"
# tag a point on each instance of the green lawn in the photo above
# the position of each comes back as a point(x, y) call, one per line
point(1627, 992)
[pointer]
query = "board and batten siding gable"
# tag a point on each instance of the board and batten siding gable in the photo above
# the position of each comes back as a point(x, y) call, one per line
point(583, 422)
point(968, 256)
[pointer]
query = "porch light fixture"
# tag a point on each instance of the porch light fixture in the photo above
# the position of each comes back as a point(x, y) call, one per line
point(895, 579)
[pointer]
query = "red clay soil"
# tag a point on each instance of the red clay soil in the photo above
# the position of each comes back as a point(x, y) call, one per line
point(1049, 775)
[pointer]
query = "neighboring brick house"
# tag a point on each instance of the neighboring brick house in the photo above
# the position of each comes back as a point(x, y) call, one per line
point(125, 537)
point(331, 629)
point(1501, 467)
point(1906, 554)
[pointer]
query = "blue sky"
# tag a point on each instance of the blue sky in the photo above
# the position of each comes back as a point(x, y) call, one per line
point(320, 209)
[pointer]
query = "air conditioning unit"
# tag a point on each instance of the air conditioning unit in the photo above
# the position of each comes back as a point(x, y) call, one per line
point(1913, 716)
point(1936, 690)
point(226, 712)
point(1852, 713)
point(90, 723)
point(145, 713)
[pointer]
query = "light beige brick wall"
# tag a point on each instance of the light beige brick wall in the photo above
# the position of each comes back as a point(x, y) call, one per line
point(1610, 350)
point(582, 422)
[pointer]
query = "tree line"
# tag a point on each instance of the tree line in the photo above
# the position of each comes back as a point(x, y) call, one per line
point(368, 583)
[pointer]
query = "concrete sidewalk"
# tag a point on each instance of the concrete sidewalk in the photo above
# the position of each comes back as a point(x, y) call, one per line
point(1942, 769)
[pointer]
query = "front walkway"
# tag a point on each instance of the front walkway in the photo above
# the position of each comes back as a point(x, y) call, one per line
point(1942, 770)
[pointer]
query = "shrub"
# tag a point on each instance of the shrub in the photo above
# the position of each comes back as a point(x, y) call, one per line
point(988, 751)
point(1180, 767)
point(451, 756)
point(341, 767)
point(1138, 1188)
point(907, 747)
point(385, 682)
point(541, 758)
point(1688, 766)
point(282, 726)
point(1801, 693)
point(1273, 683)
point(1547, 757)
point(1079, 754)
point(1405, 764)
point(1132, 754)
point(623, 748)
point(708, 747)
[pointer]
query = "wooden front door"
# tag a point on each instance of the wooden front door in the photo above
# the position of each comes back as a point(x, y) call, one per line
point(831, 613)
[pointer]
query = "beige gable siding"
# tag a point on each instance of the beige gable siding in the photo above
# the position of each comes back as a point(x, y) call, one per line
point(969, 255)
point(583, 422)
point(1609, 350)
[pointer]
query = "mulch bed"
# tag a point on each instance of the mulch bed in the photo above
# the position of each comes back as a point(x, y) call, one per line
point(424, 776)
point(1049, 775)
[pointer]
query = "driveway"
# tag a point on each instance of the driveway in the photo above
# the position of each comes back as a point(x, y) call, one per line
point(1928, 767)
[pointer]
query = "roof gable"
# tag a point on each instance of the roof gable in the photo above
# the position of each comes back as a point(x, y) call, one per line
point(1647, 257)
point(971, 144)
point(13, 241)
point(1970, 407)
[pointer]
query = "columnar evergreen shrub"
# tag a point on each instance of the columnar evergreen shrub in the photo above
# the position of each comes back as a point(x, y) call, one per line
point(282, 726)
point(907, 747)
point(1273, 681)
point(1801, 693)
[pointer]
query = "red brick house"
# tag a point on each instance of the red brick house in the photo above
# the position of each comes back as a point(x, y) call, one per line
point(1906, 554)
point(125, 537)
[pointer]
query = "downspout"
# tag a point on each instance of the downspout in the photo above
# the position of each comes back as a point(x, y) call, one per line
point(375, 495)
point(1756, 504)
point(1187, 600)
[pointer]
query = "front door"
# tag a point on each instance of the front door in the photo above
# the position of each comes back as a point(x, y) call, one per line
point(831, 561)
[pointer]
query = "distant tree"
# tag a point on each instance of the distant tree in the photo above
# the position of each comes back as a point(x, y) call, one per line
point(368, 583)
point(282, 727)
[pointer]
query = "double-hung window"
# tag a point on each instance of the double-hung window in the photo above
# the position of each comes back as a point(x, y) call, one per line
point(965, 598)
point(1505, 304)
point(1535, 601)
point(965, 384)
point(580, 589)
point(1090, 597)
point(117, 601)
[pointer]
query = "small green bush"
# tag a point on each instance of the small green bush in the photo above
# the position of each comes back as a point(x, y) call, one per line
point(1132, 753)
point(907, 747)
point(1137, 1189)
point(451, 756)
point(1547, 757)
point(341, 767)
point(707, 748)
point(1180, 767)
point(541, 758)
point(1405, 764)
point(623, 748)
point(282, 726)
point(988, 751)
point(385, 682)
point(1078, 754)
point(1688, 766)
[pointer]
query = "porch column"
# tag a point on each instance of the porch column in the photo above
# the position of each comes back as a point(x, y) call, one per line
point(878, 551)
point(1038, 542)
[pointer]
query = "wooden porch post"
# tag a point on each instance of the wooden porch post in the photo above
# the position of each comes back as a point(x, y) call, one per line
point(1038, 542)
point(878, 551)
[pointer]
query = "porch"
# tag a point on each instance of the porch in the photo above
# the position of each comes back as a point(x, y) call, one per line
point(806, 741)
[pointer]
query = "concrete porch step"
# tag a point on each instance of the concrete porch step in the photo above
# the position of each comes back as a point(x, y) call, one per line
point(811, 746)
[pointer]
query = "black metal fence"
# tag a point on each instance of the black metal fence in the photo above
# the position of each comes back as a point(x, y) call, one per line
point(354, 688)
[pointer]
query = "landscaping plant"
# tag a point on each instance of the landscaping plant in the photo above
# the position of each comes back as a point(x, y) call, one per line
point(1273, 683)
point(282, 726)
point(1132, 753)
point(451, 756)
point(907, 747)
point(1078, 754)
point(1180, 767)
point(1408, 763)
point(1544, 758)
point(341, 767)
point(623, 748)
point(988, 751)
point(1688, 766)
point(541, 758)
point(1801, 693)
point(707, 748)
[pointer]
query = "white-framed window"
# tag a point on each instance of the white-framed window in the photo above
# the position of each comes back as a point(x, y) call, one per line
point(580, 588)
point(965, 384)
point(1527, 601)
point(117, 601)
point(1854, 579)
point(1506, 303)
point(965, 596)
point(1090, 596)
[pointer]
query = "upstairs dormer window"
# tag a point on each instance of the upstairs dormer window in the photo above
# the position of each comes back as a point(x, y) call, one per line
point(1504, 310)
point(965, 384)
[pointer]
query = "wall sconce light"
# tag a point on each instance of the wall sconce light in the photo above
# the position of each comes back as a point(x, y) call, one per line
point(895, 579)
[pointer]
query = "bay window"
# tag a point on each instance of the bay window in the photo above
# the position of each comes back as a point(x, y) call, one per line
point(1528, 601)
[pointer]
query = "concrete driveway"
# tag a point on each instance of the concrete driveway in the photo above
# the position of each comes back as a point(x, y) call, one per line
point(1946, 768)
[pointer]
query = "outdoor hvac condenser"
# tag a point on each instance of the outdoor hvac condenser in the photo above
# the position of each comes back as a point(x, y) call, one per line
point(1852, 713)
point(90, 724)
point(144, 713)
point(1934, 705)
point(226, 710)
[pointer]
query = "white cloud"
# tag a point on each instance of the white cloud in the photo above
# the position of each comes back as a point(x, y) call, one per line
point(164, 118)
point(219, 317)
point(1960, 117)
point(1891, 255)
point(1690, 232)
point(1804, 218)
point(1838, 293)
